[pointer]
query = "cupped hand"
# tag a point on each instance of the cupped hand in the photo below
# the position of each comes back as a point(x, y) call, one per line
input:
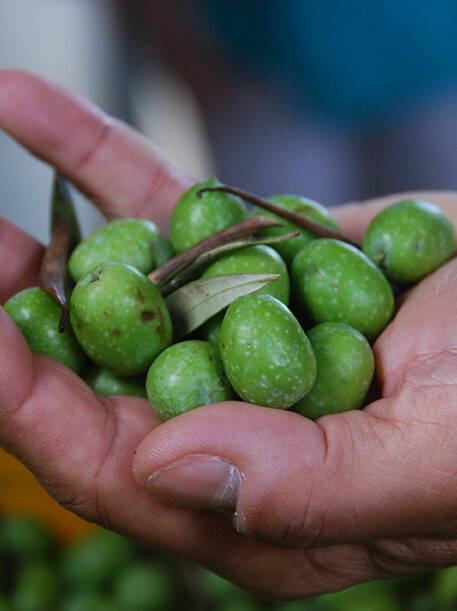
point(283, 506)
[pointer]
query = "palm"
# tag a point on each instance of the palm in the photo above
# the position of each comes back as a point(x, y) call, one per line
point(370, 490)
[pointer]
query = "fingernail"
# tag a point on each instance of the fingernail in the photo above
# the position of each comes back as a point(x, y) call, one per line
point(198, 480)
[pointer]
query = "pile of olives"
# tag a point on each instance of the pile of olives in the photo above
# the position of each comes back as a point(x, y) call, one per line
point(100, 571)
point(105, 571)
point(303, 341)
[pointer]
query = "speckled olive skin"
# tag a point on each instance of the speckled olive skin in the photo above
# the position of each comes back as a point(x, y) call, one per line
point(257, 259)
point(345, 368)
point(211, 329)
point(186, 375)
point(410, 239)
point(105, 382)
point(307, 208)
point(335, 282)
point(266, 354)
point(194, 219)
point(123, 240)
point(120, 318)
point(37, 315)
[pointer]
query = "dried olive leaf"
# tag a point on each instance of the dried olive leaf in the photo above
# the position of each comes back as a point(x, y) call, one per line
point(65, 234)
point(240, 230)
point(192, 269)
point(193, 304)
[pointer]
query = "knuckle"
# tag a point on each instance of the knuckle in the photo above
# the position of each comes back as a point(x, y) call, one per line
point(276, 524)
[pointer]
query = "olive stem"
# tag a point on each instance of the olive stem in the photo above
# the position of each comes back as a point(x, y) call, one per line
point(308, 224)
point(234, 232)
point(379, 258)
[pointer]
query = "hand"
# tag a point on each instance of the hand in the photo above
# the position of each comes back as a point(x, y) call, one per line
point(316, 506)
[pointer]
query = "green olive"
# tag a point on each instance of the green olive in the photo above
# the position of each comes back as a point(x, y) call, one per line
point(105, 382)
point(444, 588)
point(194, 219)
point(211, 329)
point(345, 368)
point(185, 376)
point(369, 596)
point(37, 314)
point(25, 538)
point(92, 599)
point(120, 318)
point(257, 259)
point(36, 587)
point(124, 240)
point(266, 354)
point(335, 282)
point(146, 585)
point(307, 208)
point(410, 239)
point(93, 561)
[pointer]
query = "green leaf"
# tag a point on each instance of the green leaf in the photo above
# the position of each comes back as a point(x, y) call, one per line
point(194, 303)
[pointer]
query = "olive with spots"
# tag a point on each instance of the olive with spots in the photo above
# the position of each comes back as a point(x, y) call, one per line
point(186, 375)
point(127, 241)
point(120, 318)
point(410, 239)
point(266, 354)
point(335, 282)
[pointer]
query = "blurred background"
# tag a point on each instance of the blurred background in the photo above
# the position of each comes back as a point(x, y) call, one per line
point(82, 45)
point(334, 101)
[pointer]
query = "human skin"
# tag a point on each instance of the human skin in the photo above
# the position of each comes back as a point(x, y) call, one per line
point(287, 507)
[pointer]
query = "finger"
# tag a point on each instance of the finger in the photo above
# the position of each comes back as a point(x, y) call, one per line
point(419, 345)
point(354, 217)
point(46, 412)
point(288, 481)
point(20, 259)
point(81, 446)
point(107, 160)
point(362, 475)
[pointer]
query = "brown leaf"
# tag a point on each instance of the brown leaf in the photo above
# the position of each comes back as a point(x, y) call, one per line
point(235, 232)
point(65, 234)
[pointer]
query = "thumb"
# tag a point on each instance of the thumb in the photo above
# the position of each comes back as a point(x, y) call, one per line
point(289, 481)
point(384, 471)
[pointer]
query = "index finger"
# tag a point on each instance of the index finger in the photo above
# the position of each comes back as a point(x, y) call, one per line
point(111, 163)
